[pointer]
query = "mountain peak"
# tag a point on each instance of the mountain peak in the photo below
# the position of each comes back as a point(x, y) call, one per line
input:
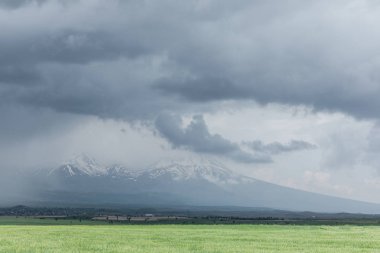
point(198, 168)
point(195, 168)
point(81, 165)
point(190, 162)
point(82, 160)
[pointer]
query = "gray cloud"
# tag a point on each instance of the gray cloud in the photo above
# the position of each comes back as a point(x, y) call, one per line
point(275, 148)
point(133, 59)
point(203, 89)
point(196, 137)
point(18, 75)
point(13, 4)
point(307, 53)
point(19, 123)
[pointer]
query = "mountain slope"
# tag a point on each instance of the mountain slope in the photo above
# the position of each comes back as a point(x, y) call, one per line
point(186, 182)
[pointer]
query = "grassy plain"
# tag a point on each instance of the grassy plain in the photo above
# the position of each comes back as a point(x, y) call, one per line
point(88, 236)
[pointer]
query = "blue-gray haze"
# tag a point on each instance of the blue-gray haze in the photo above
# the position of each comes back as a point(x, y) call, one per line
point(286, 91)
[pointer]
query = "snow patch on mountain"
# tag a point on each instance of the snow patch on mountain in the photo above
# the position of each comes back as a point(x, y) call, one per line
point(119, 171)
point(178, 170)
point(187, 169)
point(81, 165)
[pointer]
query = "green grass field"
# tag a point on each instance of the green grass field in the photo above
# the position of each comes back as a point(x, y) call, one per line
point(68, 236)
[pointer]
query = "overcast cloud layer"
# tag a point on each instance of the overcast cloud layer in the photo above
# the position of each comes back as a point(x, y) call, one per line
point(164, 65)
point(126, 58)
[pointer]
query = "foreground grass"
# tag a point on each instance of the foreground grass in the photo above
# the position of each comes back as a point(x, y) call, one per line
point(188, 238)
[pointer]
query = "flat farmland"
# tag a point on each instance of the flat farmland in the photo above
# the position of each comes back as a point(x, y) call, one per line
point(188, 238)
point(94, 237)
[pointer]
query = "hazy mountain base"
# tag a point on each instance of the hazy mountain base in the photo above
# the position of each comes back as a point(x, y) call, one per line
point(205, 213)
point(101, 191)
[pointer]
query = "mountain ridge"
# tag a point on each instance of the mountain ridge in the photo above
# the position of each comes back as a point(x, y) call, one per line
point(181, 182)
point(180, 169)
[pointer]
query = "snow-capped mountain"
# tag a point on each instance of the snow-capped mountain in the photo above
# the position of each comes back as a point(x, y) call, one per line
point(196, 182)
point(178, 170)
point(80, 165)
point(119, 171)
point(190, 169)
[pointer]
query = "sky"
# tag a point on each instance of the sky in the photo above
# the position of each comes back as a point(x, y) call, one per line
point(283, 91)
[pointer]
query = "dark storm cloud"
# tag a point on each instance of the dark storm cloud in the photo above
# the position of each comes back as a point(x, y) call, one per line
point(275, 148)
point(12, 4)
point(293, 52)
point(133, 59)
point(18, 75)
point(196, 137)
point(203, 89)
point(69, 45)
